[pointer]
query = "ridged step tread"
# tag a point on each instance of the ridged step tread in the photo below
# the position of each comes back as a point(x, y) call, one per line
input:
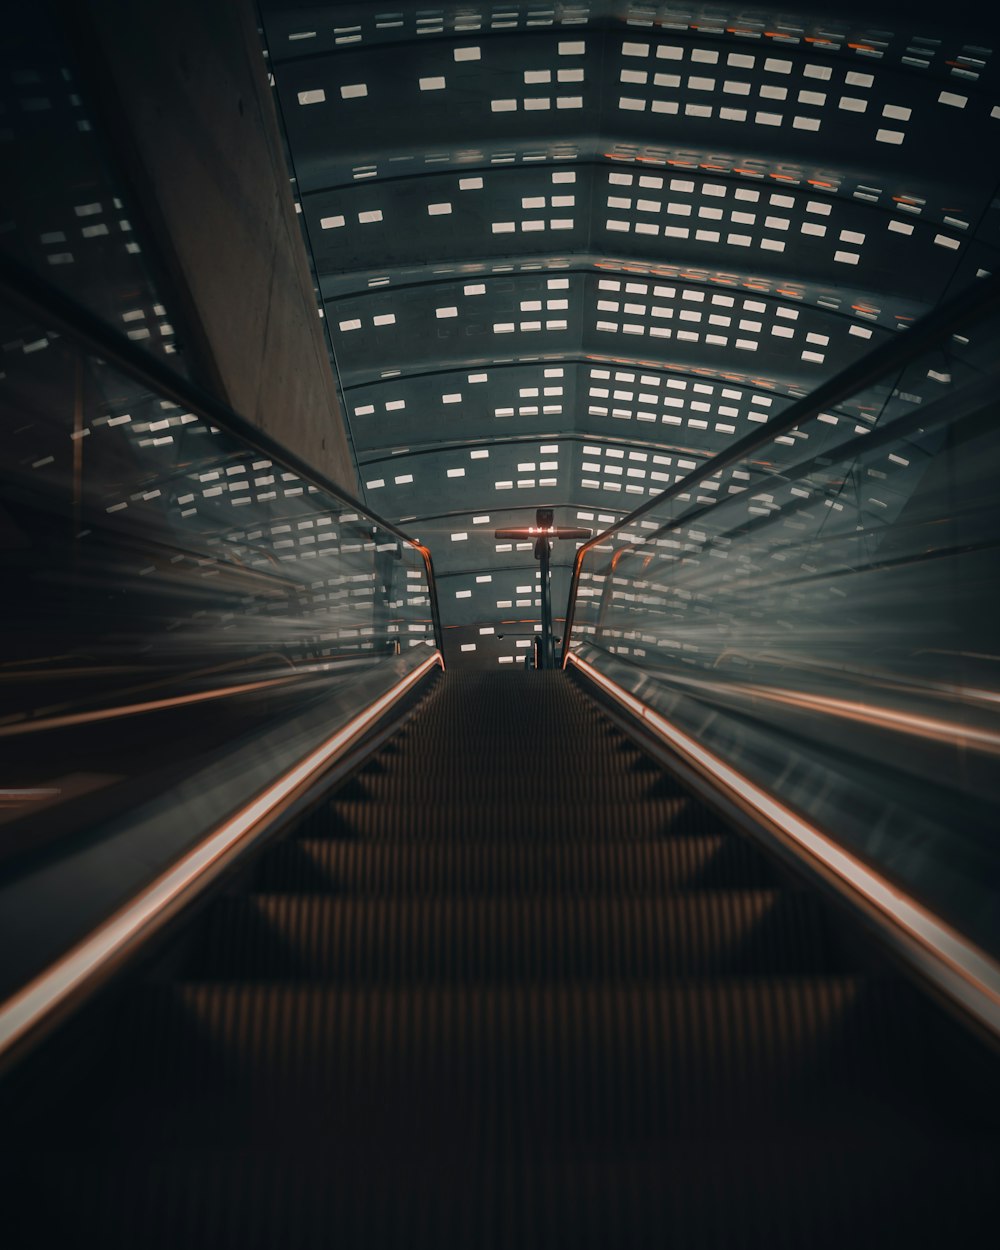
point(572, 1063)
point(434, 864)
point(395, 941)
point(482, 781)
point(824, 1192)
point(437, 758)
point(519, 817)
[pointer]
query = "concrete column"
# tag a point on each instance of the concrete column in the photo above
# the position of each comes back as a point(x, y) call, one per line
point(182, 86)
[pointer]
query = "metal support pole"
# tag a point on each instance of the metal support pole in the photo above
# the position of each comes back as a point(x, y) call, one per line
point(543, 532)
point(543, 552)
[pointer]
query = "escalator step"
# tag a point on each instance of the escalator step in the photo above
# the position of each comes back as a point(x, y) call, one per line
point(399, 941)
point(425, 761)
point(572, 1063)
point(471, 780)
point(866, 1191)
point(518, 818)
point(433, 865)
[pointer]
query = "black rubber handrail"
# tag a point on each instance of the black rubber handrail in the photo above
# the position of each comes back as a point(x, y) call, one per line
point(975, 301)
point(56, 310)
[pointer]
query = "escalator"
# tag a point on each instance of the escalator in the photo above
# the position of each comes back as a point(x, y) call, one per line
point(306, 944)
point(509, 985)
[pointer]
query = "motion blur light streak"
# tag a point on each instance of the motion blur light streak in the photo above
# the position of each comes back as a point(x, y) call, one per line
point(135, 709)
point(952, 732)
point(107, 945)
point(922, 726)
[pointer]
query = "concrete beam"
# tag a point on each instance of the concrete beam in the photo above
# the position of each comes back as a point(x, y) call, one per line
point(183, 88)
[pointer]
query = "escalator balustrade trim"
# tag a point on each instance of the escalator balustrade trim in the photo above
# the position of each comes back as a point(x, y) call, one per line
point(80, 972)
point(956, 967)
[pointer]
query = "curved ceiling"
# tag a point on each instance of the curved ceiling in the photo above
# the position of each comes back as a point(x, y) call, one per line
point(565, 252)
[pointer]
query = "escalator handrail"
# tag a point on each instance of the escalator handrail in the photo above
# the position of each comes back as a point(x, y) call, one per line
point(73, 976)
point(54, 309)
point(897, 352)
point(966, 975)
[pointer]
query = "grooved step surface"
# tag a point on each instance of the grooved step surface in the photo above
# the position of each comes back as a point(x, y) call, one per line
point(391, 940)
point(574, 1066)
point(744, 1193)
point(542, 822)
point(596, 780)
point(460, 867)
point(512, 988)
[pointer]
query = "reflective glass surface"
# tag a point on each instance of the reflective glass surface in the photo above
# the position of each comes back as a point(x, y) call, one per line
point(64, 211)
point(823, 613)
point(169, 592)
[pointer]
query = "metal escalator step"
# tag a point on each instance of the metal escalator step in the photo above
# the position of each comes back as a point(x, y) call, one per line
point(520, 817)
point(561, 703)
point(478, 781)
point(868, 1192)
point(524, 719)
point(447, 758)
point(479, 1066)
point(482, 740)
point(427, 866)
point(541, 778)
point(546, 938)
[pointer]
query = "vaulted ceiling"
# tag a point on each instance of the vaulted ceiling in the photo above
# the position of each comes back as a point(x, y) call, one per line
point(566, 252)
